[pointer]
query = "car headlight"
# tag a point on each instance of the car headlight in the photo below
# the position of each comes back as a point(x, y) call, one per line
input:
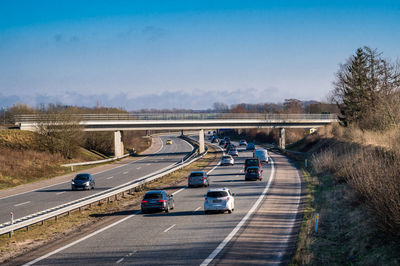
point(87, 183)
point(72, 183)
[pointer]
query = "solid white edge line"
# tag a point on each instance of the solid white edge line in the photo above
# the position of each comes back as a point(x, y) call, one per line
point(79, 240)
point(169, 228)
point(218, 249)
point(37, 189)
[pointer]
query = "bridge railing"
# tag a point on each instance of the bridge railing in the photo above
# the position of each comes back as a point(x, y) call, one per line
point(180, 116)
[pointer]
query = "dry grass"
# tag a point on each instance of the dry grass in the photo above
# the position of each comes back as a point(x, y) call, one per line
point(23, 241)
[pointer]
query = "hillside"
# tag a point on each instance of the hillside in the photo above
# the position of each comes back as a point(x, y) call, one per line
point(23, 160)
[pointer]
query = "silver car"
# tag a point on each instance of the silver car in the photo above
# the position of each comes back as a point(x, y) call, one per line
point(198, 179)
point(233, 152)
point(227, 160)
point(219, 199)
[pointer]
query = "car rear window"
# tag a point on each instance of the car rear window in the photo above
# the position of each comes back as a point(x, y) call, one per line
point(252, 170)
point(217, 194)
point(251, 162)
point(82, 177)
point(153, 196)
point(196, 174)
point(226, 157)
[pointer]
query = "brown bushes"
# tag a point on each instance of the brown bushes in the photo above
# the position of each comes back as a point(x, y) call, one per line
point(374, 173)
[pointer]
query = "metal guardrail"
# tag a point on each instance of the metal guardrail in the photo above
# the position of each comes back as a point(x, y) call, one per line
point(41, 216)
point(95, 162)
point(179, 116)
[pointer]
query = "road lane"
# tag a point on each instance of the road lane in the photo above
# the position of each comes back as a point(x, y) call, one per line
point(55, 195)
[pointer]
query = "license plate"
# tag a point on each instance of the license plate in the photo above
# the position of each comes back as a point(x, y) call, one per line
point(216, 201)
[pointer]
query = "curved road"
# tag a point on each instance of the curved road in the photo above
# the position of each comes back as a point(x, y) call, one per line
point(41, 199)
point(262, 229)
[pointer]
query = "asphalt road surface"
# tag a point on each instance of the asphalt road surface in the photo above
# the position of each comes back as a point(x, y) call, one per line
point(41, 199)
point(264, 221)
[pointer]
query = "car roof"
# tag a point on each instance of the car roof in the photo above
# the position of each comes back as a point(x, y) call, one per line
point(218, 189)
point(155, 191)
point(202, 172)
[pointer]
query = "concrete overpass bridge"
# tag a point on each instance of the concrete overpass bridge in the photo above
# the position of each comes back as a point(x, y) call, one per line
point(183, 121)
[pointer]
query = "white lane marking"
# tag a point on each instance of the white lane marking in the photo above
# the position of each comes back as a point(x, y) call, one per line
point(169, 228)
point(23, 203)
point(137, 168)
point(79, 240)
point(125, 172)
point(120, 260)
point(176, 192)
point(148, 164)
point(198, 208)
point(59, 193)
point(218, 249)
point(109, 177)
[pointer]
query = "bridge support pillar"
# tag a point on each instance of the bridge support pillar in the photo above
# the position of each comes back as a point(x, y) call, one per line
point(201, 141)
point(282, 137)
point(182, 133)
point(118, 143)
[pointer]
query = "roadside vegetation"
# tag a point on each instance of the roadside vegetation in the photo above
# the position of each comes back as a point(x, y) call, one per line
point(354, 169)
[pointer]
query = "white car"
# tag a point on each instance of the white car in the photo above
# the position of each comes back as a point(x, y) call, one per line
point(261, 154)
point(219, 199)
point(227, 160)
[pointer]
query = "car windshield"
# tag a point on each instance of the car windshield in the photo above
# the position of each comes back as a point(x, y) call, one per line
point(153, 196)
point(196, 174)
point(226, 157)
point(252, 170)
point(217, 194)
point(82, 177)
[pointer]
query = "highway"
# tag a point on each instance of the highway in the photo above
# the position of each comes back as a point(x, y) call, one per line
point(186, 236)
point(41, 199)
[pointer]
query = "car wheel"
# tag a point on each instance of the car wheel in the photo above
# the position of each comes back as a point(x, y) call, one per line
point(206, 212)
point(229, 211)
point(167, 209)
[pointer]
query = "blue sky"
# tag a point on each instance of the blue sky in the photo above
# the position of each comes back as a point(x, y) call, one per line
point(184, 54)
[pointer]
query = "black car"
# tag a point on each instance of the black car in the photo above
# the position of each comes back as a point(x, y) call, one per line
point(222, 142)
point(83, 181)
point(157, 200)
point(250, 146)
point(253, 173)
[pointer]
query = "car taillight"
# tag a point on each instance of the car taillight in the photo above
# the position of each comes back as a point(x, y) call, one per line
point(227, 198)
point(144, 201)
point(206, 200)
point(162, 200)
point(204, 177)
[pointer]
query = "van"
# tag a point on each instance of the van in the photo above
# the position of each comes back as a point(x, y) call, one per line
point(261, 154)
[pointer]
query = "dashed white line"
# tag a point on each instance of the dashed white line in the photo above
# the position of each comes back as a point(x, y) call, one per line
point(176, 192)
point(169, 228)
point(59, 193)
point(120, 260)
point(148, 164)
point(137, 168)
point(198, 208)
point(23, 203)
point(109, 177)
point(125, 172)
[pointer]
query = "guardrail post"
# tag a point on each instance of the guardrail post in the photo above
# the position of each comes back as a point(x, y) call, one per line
point(12, 222)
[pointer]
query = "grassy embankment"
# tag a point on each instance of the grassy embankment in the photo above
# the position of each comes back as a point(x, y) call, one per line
point(353, 183)
point(24, 160)
point(95, 216)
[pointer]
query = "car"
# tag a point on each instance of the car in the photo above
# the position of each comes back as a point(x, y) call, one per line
point(261, 154)
point(253, 173)
point(250, 146)
point(242, 142)
point(227, 160)
point(82, 181)
point(233, 152)
point(215, 140)
point(198, 178)
point(222, 142)
point(168, 142)
point(157, 200)
point(220, 200)
point(252, 162)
